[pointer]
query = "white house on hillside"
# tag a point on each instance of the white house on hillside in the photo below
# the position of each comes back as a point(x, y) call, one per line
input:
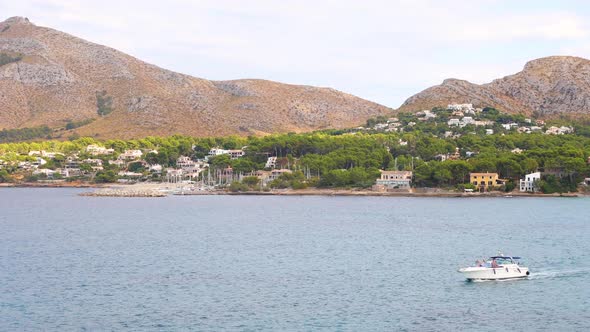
point(466, 120)
point(529, 184)
point(217, 152)
point(461, 107)
point(271, 162)
point(453, 122)
point(96, 150)
point(131, 154)
point(235, 154)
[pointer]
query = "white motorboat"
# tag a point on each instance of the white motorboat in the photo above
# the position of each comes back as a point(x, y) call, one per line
point(496, 268)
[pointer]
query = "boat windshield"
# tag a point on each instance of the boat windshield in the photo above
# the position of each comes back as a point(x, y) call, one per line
point(503, 260)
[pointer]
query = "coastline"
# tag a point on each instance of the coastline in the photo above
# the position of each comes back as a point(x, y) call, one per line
point(163, 190)
point(77, 184)
point(368, 193)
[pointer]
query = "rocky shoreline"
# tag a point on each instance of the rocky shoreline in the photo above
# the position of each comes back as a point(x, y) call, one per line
point(163, 190)
point(131, 192)
point(109, 192)
point(56, 184)
point(447, 194)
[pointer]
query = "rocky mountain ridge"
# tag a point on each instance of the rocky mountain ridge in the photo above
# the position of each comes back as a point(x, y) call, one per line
point(57, 78)
point(547, 87)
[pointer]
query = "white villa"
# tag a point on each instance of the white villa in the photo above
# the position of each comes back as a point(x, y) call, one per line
point(466, 120)
point(131, 154)
point(45, 154)
point(271, 162)
point(190, 166)
point(453, 122)
point(234, 154)
point(529, 182)
point(185, 162)
point(559, 130)
point(217, 152)
point(425, 115)
point(461, 107)
point(97, 162)
point(117, 162)
point(96, 150)
point(395, 180)
point(156, 168)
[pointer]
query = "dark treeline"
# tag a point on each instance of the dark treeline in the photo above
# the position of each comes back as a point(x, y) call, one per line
point(77, 124)
point(7, 58)
point(24, 134)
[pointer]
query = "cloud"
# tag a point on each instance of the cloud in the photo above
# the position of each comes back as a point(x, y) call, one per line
point(548, 26)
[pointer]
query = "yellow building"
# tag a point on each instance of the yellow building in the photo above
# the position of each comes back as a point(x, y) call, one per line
point(483, 181)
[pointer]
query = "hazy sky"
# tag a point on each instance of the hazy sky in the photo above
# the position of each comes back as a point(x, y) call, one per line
point(384, 51)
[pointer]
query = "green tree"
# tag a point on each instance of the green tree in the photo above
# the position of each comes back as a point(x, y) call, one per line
point(106, 176)
point(87, 168)
point(220, 161)
point(242, 165)
point(136, 167)
point(237, 187)
point(530, 165)
point(6, 58)
point(251, 181)
point(4, 176)
point(459, 170)
point(152, 158)
point(104, 103)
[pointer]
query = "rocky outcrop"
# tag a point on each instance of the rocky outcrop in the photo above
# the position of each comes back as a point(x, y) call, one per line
point(59, 75)
point(124, 192)
point(547, 86)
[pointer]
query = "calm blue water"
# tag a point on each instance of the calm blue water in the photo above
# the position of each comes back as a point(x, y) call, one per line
point(213, 263)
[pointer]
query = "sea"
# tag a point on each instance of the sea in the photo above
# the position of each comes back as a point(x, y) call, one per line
point(296, 263)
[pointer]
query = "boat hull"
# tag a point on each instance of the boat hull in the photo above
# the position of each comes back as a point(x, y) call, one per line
point(499, 273)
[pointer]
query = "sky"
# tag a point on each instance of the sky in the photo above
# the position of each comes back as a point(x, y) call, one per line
point(380, 50)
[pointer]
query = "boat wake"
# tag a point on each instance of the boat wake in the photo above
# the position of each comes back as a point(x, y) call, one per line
point(558, 274)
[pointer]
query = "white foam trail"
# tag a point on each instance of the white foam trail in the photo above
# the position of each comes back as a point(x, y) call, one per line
point(558, 273)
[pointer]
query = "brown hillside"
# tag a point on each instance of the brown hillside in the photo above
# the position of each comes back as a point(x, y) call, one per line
point(59, 75)
point(548, 86)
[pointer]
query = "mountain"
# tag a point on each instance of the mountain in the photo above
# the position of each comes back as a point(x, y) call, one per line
point(548, 87)
point(48, 77)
